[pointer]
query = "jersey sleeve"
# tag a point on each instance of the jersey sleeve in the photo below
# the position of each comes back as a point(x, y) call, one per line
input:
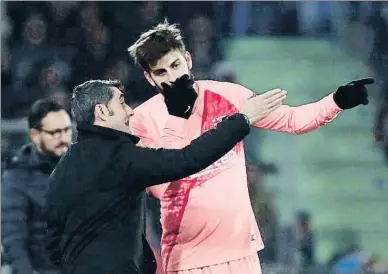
point(295, 120)
point(301, 119)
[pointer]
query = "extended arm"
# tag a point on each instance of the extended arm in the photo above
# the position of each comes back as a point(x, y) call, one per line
point(305, 118)
point(156, 166)
point(301, 119)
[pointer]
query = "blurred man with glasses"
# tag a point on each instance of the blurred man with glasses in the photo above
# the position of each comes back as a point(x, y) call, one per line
point(24, 187)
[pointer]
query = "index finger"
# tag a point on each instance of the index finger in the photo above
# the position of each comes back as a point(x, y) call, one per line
point(363, 82)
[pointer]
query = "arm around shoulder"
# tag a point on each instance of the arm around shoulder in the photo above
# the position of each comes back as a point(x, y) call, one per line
point(147, 167)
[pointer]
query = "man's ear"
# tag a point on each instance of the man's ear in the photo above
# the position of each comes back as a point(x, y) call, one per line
point(35, 136)
point(100, 112)
point(147, 75)
point(189, 60)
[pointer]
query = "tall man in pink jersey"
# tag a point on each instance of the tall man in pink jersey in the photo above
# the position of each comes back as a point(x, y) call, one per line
point(207, 219)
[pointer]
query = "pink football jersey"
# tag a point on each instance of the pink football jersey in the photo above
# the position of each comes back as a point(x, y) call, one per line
point(207, 218)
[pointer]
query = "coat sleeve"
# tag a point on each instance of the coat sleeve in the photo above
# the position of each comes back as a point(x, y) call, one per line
point(149, 167)
point(54, 233)
point(14, 205)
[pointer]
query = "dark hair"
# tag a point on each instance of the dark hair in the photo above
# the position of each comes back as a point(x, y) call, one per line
point(89, 94)
point(39, 110)
point(155, 43)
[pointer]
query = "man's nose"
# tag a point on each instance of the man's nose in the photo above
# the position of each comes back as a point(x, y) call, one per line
point(171, 77)
point(66, 135)
point(129, 111)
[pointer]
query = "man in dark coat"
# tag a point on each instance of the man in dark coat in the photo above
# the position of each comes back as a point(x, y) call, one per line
point(96, 202)
point(24, 188)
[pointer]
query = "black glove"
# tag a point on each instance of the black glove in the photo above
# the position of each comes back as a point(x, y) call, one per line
point(353, 94)
point(180, 96)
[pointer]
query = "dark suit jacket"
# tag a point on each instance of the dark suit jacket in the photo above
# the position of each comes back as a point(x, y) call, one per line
point(96, 202)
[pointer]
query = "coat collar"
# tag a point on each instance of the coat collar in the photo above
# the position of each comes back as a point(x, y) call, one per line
point(92, 131)
point(29, 157)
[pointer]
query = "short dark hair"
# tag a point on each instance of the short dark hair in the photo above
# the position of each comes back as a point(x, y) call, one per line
point(39, 110)
point(89, 94)
point(155, 43)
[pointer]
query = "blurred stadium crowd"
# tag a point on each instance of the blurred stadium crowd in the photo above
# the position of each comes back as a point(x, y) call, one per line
point(49, 47)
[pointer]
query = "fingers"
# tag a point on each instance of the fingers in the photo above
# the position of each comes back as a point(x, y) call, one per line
point(183, 81)
point(364, 99)
point(270, 98)
point(165, 87)
point(277, 95)
point(270, 104)
point(277, 100)
point(276, 103)
point(184, 77)
point(363, 82)
point(272, 108)
point(271, 93)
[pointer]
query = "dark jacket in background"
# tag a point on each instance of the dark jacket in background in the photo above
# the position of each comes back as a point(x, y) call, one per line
point(96, 203)
point(23, 190)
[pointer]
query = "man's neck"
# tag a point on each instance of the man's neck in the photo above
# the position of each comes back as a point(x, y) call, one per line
point(101, 124)
point(105, 125)
point(46, 154)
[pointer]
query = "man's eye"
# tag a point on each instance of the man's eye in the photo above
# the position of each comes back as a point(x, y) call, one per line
point(159, 73)
point(175, 65)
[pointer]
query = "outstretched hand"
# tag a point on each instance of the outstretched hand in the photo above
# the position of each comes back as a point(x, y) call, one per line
point(260, 106)
point(353, 94)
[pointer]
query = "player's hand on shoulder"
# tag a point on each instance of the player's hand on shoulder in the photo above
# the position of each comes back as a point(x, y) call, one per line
point(258, 107)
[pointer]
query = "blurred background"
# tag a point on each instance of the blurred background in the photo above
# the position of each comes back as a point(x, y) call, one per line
point(321, 198)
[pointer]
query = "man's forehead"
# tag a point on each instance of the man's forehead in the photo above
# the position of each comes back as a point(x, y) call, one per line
point(116, 92)
point(57, 118)
point(167, 59)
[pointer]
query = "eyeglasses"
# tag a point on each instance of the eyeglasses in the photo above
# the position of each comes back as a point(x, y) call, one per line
point(56, 133)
